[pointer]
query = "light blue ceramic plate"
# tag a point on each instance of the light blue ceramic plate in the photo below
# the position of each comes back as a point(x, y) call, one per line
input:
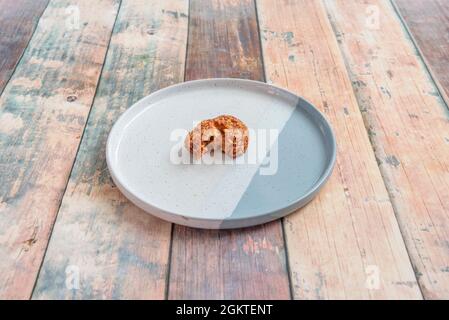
point(290, 156)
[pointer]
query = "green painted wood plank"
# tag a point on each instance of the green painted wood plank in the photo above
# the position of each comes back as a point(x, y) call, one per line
point(117, 250)
point(43, 111)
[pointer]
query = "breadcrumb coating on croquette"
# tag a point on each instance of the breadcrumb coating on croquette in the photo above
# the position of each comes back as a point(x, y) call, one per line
point(234, 134)
point(202, 138)
point(224, 132)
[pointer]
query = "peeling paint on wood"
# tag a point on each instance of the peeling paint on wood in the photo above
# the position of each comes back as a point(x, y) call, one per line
point(410, 128)
point(39, 145)
point(119, 251)
point(346, 243)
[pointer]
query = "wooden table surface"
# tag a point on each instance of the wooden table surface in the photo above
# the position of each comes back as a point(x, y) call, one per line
point(377, 69)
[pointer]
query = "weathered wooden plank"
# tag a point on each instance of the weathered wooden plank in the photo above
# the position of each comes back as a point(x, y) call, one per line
point(346, 243)
point(428, 22)
point(239, 264)
point(118, 250)
point(43, 110)
point(409, 126)
point(18, 20)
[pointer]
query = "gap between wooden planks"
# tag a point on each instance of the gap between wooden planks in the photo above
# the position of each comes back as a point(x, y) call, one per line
point(18, 20)
point(43, 110)
point(117, 250)
point(409, 127)
point(229, 264)
point(346, 243)
point(102, 259)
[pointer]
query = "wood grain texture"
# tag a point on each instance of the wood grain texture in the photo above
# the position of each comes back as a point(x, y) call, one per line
point(18, 20)
point(409, 126)
point(120, 251)
point(43, 110)
point(346, 243)
point(428, 22)
point(223, 41)
point(238, 264)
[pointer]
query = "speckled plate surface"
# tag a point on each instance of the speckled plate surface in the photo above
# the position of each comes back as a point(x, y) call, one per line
point(290, 156)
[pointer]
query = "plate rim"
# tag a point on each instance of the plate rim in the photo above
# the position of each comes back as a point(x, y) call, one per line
point(203, 222)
